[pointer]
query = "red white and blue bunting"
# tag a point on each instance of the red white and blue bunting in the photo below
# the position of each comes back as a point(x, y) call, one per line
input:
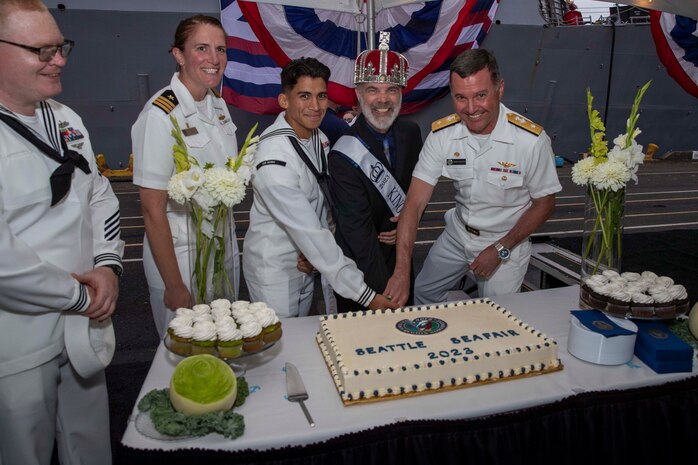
point(676, 40)
point(264, 37)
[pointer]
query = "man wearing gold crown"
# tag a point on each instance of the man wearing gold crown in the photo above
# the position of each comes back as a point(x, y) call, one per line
point(371, 168)
point(503, 169)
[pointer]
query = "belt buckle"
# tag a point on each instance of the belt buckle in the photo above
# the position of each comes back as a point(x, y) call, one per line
point(471, 230)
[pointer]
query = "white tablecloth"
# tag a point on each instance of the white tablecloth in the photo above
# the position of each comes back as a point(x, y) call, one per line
point(272, 421)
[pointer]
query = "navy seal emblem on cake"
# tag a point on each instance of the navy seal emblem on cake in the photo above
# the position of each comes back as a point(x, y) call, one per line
point(421, 326)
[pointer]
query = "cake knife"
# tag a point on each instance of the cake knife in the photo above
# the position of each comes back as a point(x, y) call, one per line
point(295, 390)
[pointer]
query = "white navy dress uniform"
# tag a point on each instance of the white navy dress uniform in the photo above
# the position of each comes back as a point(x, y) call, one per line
point(495, 179)
point(289, 216)
point(52, 358)
point(209, 132)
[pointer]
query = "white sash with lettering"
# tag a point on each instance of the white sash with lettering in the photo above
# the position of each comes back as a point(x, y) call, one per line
point(354, 149)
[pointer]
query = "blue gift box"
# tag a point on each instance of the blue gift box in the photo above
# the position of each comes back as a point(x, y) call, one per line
point(661, 349)
point(682, 366)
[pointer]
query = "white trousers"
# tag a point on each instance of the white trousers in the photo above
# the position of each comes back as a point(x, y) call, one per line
point(450, 258)
point(51, 402)
point(290, 298)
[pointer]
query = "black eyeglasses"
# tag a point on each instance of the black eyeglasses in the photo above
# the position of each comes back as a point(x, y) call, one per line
point(47, 52)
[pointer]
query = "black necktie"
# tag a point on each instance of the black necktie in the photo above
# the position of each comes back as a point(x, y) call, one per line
point(322, 177)
point(61, 176)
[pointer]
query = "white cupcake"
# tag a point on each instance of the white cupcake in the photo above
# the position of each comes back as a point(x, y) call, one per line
point(219, 312)
point(251, 336)
point(181, 311)
point(201, 308)
point(220, 303)
point(229, 339)
point(203, 338)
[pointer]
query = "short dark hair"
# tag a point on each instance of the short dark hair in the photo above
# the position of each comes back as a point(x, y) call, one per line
point(187, 26)
point(471, 61)
point(304, 66)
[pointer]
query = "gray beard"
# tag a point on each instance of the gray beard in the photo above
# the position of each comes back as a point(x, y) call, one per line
point(372, 121)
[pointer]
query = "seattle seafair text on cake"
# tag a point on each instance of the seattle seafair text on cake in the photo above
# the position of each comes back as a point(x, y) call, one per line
point(402, 346)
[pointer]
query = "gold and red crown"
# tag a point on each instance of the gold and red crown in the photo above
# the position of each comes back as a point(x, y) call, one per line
point(382, 65)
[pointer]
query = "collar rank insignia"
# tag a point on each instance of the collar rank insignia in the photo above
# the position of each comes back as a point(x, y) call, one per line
point(445, 122)
point(525, 124)
point(167, 101)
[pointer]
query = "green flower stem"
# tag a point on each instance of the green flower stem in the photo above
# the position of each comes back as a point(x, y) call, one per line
point(243, 150)
point(207, 249)
point(608, 209)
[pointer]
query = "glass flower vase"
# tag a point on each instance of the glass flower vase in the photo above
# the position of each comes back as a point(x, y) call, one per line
point(210, 254)
point(602, 236)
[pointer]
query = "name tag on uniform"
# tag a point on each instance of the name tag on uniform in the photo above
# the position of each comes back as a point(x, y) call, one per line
point(456, 161)
point(190, 131)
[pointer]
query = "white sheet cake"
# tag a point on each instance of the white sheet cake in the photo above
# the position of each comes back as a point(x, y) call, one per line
point(376, 355)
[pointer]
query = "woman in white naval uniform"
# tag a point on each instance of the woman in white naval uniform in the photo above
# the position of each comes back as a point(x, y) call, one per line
point(209, 132)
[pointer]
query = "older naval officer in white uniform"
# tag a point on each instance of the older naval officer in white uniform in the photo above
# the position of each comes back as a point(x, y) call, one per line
point(209, 132)
point(503, 170)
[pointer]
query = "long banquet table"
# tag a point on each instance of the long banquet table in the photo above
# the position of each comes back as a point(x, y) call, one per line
point(582, 412)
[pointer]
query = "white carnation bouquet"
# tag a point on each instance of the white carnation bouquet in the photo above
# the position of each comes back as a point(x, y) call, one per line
point(605, 174)
point(210, 192)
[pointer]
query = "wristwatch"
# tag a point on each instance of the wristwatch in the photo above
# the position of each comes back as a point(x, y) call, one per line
point(502, 251)
point(118, 271)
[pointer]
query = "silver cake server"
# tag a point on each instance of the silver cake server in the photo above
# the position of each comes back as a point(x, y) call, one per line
point(295, 390)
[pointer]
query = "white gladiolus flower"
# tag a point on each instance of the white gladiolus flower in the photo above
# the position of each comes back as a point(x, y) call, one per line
point(619, 141)
point(245, 173)
point(194, 178)
point(205, 200)
point(621, 156)
point(583, 170)
point(636, 152)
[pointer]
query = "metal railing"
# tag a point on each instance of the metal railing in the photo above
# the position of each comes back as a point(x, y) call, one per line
point(553, 13)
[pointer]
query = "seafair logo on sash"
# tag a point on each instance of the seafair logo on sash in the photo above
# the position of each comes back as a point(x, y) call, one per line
point(388, 187)
point(422, 326)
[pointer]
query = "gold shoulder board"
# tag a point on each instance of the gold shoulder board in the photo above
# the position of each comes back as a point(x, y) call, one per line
point(523, 123)
point(445, 122)
point(167, 101)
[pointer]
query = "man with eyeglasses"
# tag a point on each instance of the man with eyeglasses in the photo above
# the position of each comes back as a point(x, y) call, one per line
point(61, 254)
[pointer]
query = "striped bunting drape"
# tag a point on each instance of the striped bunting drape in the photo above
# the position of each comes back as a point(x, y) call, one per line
point(263, 37)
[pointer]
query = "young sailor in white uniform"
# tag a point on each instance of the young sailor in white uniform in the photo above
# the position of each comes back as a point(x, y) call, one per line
point(209, 133)
point(61, 253)
point(290, 217)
